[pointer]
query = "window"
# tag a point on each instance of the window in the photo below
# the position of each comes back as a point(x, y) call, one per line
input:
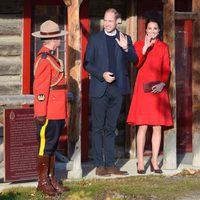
point(40, 14)
point(35, 13)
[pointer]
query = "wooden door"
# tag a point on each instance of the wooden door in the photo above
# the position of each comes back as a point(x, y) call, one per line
point(183, 65)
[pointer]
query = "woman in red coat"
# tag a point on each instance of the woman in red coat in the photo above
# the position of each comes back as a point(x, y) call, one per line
point(150, 104)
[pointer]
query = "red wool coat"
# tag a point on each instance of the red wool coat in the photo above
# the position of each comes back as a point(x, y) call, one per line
point(151, 108)
point(47, 101)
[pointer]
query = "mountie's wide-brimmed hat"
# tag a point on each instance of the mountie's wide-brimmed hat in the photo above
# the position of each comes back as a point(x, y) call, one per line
point(49, 29)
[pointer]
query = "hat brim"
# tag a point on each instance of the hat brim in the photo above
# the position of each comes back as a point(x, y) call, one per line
point(38, 35)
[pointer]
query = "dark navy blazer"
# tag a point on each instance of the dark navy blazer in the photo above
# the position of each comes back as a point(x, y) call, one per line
point(96, 62)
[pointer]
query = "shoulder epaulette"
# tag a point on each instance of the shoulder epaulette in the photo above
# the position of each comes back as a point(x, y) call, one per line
point(44, 55)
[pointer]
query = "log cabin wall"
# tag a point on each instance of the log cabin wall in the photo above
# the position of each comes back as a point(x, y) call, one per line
point(11, 23)
point(96, 13)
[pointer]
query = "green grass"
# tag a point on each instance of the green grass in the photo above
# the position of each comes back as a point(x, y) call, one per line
point(138, 187)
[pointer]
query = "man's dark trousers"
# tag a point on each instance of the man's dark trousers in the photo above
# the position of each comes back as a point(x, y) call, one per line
point(105, 112)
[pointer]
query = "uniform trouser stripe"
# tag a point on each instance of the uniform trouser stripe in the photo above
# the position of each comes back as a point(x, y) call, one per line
point(42, 138)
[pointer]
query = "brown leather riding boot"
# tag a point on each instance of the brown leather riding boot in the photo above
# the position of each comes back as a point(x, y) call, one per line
point(44, 184)
point(59, 188)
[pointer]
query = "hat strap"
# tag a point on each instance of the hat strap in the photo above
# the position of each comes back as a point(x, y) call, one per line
point(49, 33)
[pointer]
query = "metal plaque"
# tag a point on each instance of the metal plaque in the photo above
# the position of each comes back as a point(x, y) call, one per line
point(20, 144)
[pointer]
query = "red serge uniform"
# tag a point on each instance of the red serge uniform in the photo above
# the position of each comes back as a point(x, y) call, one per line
point(49, 87)
point(50, 100)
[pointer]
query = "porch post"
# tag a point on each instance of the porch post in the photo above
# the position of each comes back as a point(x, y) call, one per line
point(74, 75)
point(131, 24)
point(196, 85)
point(170, 151)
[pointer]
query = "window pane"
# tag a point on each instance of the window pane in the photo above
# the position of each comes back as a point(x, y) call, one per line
point(42, 13)
point(183, 5)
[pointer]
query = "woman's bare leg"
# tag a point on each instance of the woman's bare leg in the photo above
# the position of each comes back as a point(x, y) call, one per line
point(156, 139)
point(141, 137)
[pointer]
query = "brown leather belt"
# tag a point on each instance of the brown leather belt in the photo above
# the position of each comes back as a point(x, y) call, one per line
point(59, 87)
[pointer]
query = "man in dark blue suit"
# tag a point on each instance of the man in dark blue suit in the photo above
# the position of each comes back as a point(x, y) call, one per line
point(106, 59)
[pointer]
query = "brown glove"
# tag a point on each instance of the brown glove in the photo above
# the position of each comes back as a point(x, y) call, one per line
point(41, 120)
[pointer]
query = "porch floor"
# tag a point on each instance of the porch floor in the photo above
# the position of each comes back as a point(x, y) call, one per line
point(184, 162)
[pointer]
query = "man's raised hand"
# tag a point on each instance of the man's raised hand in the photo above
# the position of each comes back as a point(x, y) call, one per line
point(122, 41)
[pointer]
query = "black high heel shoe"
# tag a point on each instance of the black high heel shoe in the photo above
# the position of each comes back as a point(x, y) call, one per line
point(157, 171)
point(140, 171)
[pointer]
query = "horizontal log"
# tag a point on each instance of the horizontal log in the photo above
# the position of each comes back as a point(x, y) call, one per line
point(10, 24)
point(6, 100)
point(10, 46)
point(10, 85)
point(10, 89)
point(185, 15)
point(10, 65)
point(16, 99)
point(9, 80)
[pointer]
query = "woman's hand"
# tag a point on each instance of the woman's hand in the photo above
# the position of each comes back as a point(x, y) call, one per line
point(158, 87)
point(122, 41)
point(147, 43)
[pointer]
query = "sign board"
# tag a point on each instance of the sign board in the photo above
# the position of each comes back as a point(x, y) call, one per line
point(20, 144)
